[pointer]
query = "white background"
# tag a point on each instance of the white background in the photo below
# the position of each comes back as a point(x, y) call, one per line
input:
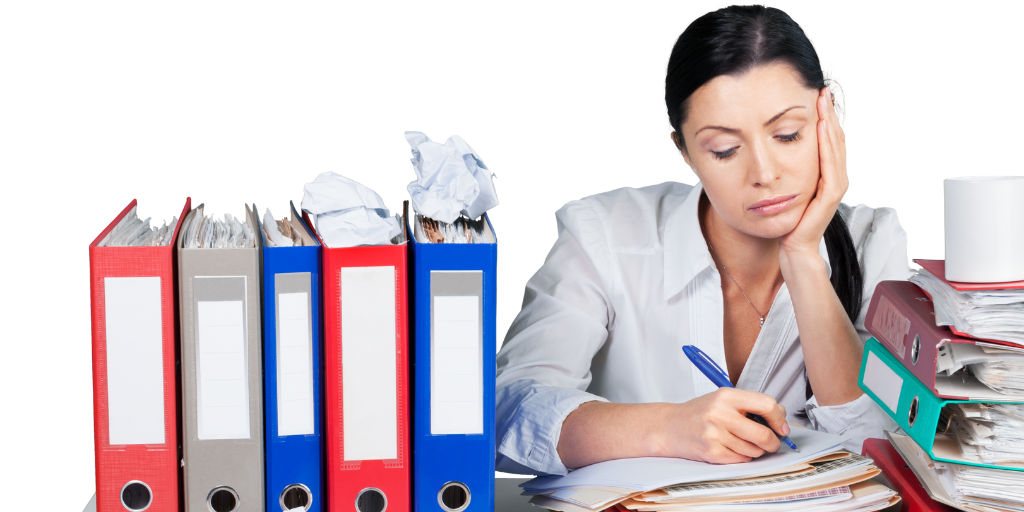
point(234, 102)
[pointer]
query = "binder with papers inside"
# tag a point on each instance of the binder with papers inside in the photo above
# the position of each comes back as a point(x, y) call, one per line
point(453, 272)
point(959, 431)
point(221, 367)
point(134, 340)
point(366, 361)
point(291, 362)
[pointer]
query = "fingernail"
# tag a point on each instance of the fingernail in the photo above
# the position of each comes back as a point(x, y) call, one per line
point(785, 429)
point(828, 95)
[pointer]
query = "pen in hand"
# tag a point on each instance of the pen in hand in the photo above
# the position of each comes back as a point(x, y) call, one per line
point(712, 371)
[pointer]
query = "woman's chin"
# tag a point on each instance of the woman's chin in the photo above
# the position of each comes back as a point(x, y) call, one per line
point(772, 227)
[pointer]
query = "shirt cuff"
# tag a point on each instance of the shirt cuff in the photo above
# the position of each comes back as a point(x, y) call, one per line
point(531, 438)
point(857, 420)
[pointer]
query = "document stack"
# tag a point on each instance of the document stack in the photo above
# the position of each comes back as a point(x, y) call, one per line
point(821, 478)
point(957, 396)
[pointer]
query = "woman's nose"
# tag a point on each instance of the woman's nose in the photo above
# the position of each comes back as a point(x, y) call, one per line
point(762, 166)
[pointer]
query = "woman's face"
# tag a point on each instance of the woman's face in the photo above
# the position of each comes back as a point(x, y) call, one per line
point(752, 141)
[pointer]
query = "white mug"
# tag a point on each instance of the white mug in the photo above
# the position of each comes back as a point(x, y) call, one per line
point(984, 221)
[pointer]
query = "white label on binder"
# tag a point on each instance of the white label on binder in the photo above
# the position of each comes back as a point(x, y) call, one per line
point(883, 382)
point(456, 368)
point(294, 366)
point(135, 363)
point(223, 405)
point(368, 360)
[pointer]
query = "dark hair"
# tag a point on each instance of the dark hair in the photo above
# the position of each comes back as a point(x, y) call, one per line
point(731, 41)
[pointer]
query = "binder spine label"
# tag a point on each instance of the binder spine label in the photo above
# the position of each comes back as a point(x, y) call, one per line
point(135, 369)
point(222, 370)
point(891, 326)
point(369, 363)
point(294, 354)
point(883, 381)
point(456, 353)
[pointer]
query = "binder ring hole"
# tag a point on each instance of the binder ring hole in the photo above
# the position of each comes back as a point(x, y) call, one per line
point(454, 497)
point(222, 499)
point(295, 496)
point(371, 500)
point(915, 349)
point(912, 415)
point(136, 496)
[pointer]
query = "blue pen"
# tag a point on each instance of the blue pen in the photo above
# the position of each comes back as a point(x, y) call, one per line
point(711, 370)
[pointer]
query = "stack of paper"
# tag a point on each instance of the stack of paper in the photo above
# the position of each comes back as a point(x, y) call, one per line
point(991, 433)
point(824, 477)
point(210, 233)
point(986, 314)
point(135, 232)
point(961, 486)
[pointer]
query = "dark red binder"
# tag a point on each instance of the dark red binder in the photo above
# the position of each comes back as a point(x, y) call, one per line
point(134, 333)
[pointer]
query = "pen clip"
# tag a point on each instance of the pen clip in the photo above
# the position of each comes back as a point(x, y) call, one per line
point(711, 362)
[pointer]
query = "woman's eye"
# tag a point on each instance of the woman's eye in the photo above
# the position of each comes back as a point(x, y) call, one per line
point(722, 155)
point(789, 138)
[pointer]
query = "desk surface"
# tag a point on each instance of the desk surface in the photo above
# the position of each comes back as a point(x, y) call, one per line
point(507, 497)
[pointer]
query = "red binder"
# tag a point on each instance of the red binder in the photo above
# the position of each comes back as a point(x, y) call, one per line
point(366, 333)
point(134, 333)
point(938, 269)
point(901, 317)
point(915, 497)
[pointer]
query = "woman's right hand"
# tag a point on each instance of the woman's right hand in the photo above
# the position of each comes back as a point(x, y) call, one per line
point(714, 427)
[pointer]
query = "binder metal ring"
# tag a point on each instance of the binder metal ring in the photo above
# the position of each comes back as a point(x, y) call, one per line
point(371, 489)
point(148, 490)
point(912, 414)
point(457, 485)
point(915, 349)
point(222, 488)
point(309, 496)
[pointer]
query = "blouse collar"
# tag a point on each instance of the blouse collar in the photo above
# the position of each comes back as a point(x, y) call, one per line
point(686, 251)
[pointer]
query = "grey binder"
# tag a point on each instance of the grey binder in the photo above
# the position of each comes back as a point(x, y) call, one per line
point(221, 379)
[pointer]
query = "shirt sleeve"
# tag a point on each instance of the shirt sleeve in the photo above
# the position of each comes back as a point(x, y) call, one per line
point(857, 420)
point(544, 363)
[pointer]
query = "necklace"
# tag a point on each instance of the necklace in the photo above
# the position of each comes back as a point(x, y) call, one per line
point(739, 287)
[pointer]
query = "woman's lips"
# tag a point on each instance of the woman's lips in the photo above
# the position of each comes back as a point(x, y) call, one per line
point(773, 205)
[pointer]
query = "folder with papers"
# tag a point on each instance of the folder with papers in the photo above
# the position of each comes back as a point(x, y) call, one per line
point(291, 362)
point(453, 308)
point(221, 363)
point(134, 336)
point(900, 316)
point(366, 376)
point(916, 408)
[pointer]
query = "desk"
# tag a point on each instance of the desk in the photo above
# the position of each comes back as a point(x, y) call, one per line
point(508, 499)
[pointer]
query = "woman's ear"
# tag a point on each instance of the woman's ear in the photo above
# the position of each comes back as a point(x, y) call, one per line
point(682, 148)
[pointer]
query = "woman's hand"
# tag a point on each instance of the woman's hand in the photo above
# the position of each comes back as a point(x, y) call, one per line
point(714, 427)
point(832, 184)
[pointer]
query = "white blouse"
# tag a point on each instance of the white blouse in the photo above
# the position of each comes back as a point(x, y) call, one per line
point(628, 283)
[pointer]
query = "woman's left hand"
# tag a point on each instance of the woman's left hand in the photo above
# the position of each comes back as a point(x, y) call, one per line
point(832, 184)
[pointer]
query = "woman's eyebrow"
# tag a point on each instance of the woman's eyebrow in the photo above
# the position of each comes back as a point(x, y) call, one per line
point(780, 114)
point(736, 130)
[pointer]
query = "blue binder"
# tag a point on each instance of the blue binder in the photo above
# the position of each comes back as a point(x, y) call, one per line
point(291, 363)
point(453, 287)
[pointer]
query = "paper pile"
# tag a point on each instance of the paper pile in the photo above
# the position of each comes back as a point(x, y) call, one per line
point(133, 232)
point(210, 233)
point(347, 214)
point(961, 486)
point(453, 189)
point(280, 233)
point(824, 477)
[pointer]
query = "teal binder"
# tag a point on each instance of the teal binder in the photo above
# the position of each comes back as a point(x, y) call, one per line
point(912, 404)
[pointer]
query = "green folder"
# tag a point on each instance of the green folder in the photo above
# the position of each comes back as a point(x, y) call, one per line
point(913, 405)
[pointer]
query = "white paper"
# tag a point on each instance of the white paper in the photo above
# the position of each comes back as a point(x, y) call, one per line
point(294, 366)
point(883, 382)
point(649, 473)
point(369, 363)
point(451, 179)
point(456, 368)
point(221, 371)
point(346, 213)
point(135, 370)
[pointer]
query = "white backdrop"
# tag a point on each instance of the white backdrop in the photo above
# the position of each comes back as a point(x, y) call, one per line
point(234, 102)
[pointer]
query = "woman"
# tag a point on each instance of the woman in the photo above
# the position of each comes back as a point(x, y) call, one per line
point(759, 265)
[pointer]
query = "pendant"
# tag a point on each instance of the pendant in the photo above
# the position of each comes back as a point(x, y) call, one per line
point(762, 321)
